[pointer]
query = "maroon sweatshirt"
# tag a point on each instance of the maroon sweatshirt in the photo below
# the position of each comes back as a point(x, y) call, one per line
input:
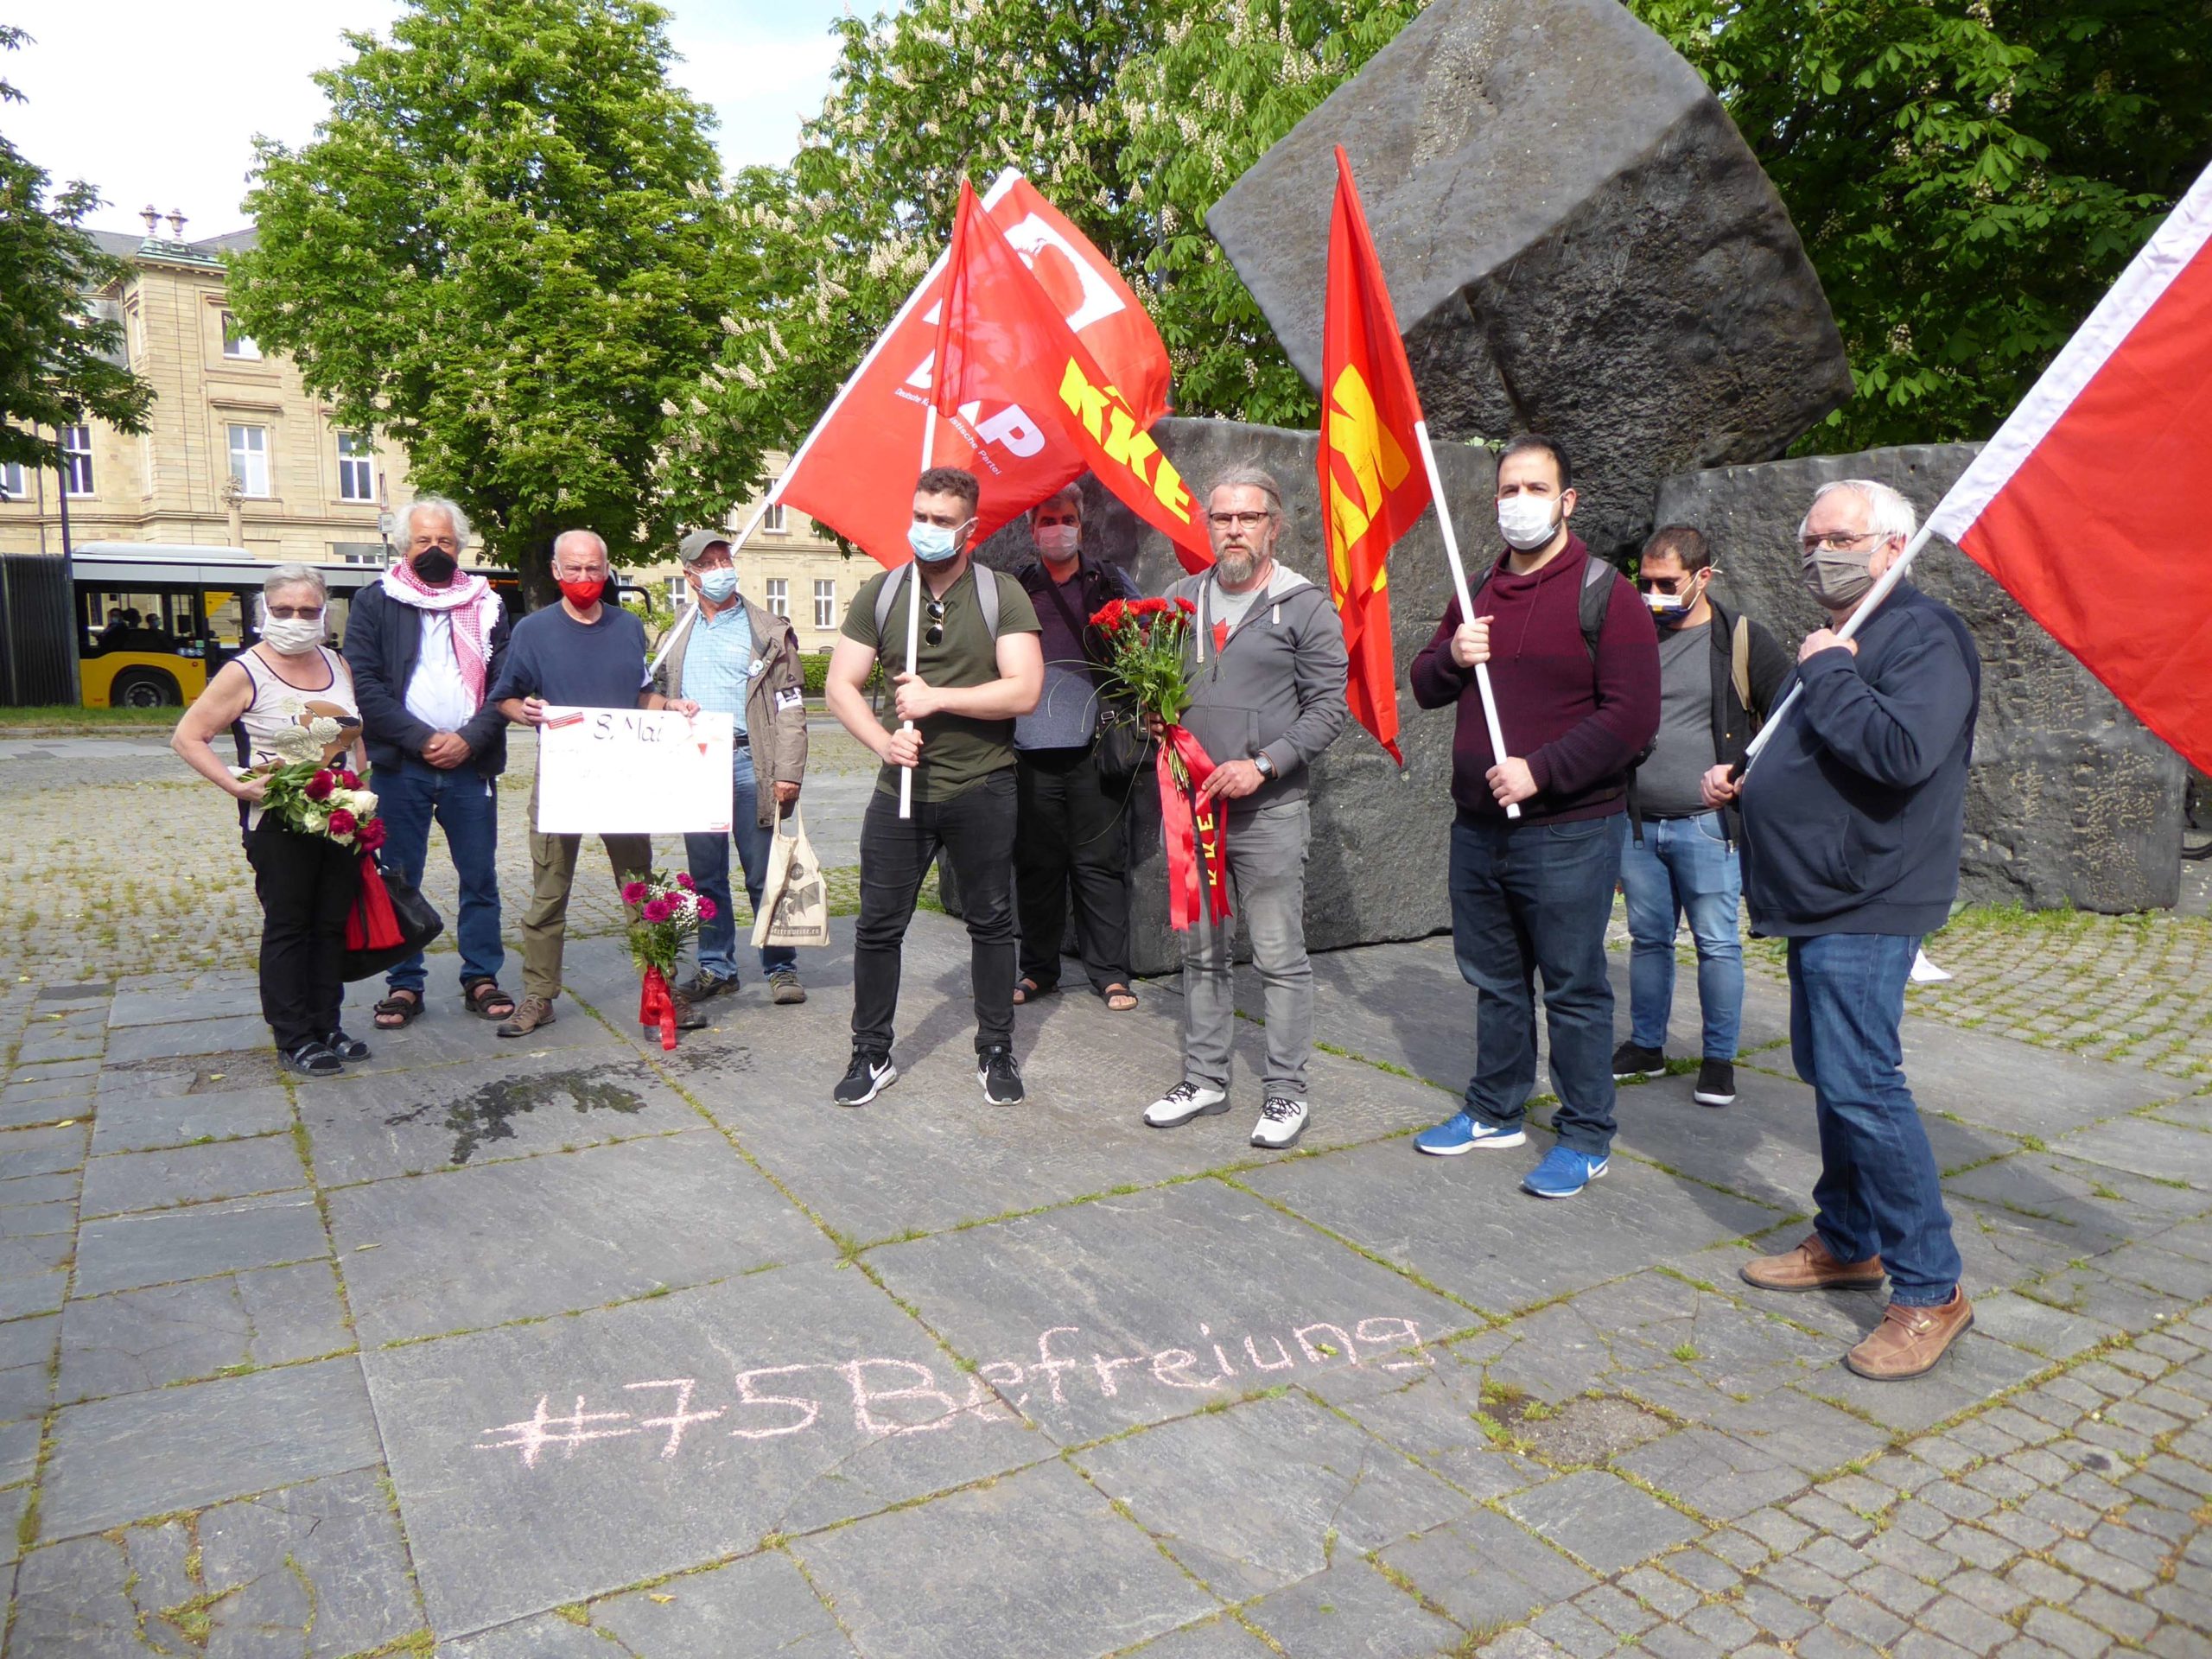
point(1578, 724)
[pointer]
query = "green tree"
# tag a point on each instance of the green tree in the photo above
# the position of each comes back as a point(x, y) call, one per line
point(501, 247)
point(55, 356)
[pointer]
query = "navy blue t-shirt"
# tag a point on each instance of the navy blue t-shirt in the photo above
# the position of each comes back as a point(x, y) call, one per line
point(552, 655)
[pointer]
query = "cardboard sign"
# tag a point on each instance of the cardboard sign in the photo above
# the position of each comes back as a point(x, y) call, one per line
point(631, 771)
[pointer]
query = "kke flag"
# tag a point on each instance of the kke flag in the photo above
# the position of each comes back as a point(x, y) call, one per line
point(1373, 482)
point(1003, 338)
point(2089, 506)
point(856, 471)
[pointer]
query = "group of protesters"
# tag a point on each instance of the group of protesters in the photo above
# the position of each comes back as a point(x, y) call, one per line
point(1626, 708)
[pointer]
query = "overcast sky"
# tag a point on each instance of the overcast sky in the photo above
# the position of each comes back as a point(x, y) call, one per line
point(154, 101)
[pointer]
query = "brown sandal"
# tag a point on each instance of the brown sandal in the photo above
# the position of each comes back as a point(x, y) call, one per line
point(484, 999)
point(403, 1007)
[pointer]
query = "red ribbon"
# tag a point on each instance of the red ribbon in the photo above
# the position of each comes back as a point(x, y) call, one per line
point(655, 1008)
point(372, 925)
point(1198, 834)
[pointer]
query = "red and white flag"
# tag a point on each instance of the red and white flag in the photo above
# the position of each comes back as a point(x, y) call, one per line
point(2090, 505)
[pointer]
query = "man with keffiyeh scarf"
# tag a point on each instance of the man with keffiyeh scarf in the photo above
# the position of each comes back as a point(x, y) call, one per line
point(424, 646)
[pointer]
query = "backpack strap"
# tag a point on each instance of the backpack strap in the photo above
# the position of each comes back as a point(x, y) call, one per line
point(887, 599)
point(987, 594)
point(1598, 579)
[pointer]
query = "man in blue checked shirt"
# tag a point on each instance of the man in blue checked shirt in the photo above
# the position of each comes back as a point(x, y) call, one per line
point(735, 658)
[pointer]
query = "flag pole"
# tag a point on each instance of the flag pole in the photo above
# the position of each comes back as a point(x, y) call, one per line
point(1466, 600)
point(914, 614)
point(682, 625)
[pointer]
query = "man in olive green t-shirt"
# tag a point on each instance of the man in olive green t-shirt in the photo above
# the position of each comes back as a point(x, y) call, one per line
point(961, 693)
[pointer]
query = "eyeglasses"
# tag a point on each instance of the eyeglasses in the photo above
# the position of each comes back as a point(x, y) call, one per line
point(1237, 520)
point(934, 635)
point(1835, 541)
point(293, 612)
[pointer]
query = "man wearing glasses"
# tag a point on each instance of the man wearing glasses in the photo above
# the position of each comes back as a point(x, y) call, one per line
point(1852, 820)
point(1718, 678)
point(1268, 667)
point(978, 668)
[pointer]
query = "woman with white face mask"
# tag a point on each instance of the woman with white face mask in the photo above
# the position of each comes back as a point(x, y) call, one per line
point(306, 883)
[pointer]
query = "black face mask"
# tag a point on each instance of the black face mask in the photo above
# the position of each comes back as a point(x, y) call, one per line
point(435, 566)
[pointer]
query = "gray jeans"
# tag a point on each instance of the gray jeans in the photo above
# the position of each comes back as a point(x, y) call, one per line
point(1266, 894)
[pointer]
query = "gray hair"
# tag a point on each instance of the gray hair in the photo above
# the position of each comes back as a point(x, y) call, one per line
point(1251, 475)
point(592, 536)
point(1888, 513)
point(405, 523)
point(290, 576)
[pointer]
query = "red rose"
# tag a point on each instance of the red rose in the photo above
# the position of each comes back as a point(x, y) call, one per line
point(343, 823)
point(683, 880)
point(371, 835)
point(633, 892)
point(318, 787)
point(348, 779)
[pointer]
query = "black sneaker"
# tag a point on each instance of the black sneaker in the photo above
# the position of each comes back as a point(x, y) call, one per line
point(1630, 1061)
point(1716, 1083)
point(868, 1075)
point(310, 1059)
point(706, 983)
point(344, 1047)
point(1000, 1075)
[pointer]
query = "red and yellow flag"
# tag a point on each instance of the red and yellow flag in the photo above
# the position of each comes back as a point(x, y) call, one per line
point(1373, 483)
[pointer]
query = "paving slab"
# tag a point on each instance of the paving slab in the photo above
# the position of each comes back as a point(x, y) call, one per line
point(1259, 1497)
point(143, 1123)
point(238, 997)
point(184, 1039)
point(38, 1292)
point(542, 1463)
point(2013, 1087)
point(1351, 1612)
point(545, 1636)
point(2102, 1204)
point(553, 1234)
point(1722, 1477)
point(448, 1035)
point(37, 1220)
point(1764, 1147)
point(2143, 1145)
point(100, 1598)
point(1429, 1415)
point(1219, 1637)
point(43, 1151)
point(2037, 1327)
point(116, 1460)
point(182, 1175)
point(1044, 1566)
point(318, 1570)
point(166, 1246)
point(27, 1351)
point(1601, 1519)
point(135, 1340)
point(1487, 1570)
point(1098, 1316)
point(750, 1608)
point(1976, 1368)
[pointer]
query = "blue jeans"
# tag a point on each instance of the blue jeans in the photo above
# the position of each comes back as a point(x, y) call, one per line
point(1526, 897)
point(466, 804)
point(1684, 864)
point(709, 856)
point(1879, 1193)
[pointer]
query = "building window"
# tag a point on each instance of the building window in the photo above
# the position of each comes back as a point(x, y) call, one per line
point(11, 479)
point(236, 342)
point(77, 460)
point(679, 591)
point(772, 519)
point(779, 596)
point(356, 470)
point(250, 459)
point(825, 604)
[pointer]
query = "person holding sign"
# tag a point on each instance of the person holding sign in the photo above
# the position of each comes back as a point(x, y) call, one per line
point(976, 668)
point(581, 653)
point(741, 661)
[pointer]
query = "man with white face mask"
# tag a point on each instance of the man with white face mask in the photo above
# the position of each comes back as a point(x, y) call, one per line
point(1853, 816)
point(977, 668)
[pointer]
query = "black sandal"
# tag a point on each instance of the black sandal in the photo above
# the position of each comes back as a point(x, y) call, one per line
point(1027, 990)
point(484, 999)
point(405, 1007)
point(1119, 990)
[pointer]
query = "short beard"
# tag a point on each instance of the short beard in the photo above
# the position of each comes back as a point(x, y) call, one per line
point(1237, 568)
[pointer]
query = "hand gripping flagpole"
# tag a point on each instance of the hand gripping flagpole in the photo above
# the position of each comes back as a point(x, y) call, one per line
point(1466, 600)
point(914, 616)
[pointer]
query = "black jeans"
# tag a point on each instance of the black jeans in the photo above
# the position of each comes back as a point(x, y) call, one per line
point(976, 830)
point(306, 885)
point(1069, 835)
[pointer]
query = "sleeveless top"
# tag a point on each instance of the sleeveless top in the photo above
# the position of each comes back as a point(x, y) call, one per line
point(277, 705)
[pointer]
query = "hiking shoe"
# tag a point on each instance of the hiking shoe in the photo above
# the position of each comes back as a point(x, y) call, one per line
point(687, 1017)
point(1716, 1083)
point(530, 1014)
point(707, 983)
point(1464, 1131)
point(868, 1075)
point(1812, 1266)
point(344, 1047)
point(1282, 1121)
point(784, 987)
point(1910, 1340)
point(1000, 1075)
point(1186, 1100)
point(1630, 1061)
point(310, 1059)
point(1563, 1174)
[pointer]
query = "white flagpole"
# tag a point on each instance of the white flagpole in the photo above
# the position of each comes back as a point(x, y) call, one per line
point(914, 614)
point(1466, 600)
point(691, 605)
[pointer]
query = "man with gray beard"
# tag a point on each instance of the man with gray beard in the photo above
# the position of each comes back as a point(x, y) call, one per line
point(1266, 668)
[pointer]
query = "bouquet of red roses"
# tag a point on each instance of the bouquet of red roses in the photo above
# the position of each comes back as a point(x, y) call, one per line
point(1146, 641)
point(665, 911)
point(327, 801)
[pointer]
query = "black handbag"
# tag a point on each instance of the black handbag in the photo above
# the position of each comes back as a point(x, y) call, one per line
point(419, 925)
point(1126, 750)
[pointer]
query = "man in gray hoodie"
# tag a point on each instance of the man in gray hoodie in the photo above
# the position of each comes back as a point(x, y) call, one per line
point(1268, 667)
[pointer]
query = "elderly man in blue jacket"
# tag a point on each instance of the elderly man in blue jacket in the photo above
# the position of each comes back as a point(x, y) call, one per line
point(1852, 819)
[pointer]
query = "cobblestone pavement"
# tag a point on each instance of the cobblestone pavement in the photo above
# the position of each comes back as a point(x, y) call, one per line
point(594, 1349)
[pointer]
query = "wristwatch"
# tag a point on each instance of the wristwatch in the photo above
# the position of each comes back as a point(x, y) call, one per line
point(1264, 767)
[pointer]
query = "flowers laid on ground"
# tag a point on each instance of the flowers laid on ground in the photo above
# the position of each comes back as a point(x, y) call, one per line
point(665, 911)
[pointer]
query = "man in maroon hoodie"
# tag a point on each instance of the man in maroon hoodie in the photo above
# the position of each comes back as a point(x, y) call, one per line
point(1575, 664)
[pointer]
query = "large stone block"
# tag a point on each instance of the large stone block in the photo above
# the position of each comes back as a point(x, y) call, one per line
point(1577, 242)
point(1380, 835)
point(2071, 800)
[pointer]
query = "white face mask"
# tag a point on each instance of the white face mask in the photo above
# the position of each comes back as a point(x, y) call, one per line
point(292, 636)
point(1526, 522)
point(1059, 542)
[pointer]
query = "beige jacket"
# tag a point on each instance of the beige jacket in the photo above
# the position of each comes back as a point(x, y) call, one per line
point(775, 702)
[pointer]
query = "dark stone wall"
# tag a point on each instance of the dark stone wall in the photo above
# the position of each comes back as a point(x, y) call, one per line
point(2072, 800)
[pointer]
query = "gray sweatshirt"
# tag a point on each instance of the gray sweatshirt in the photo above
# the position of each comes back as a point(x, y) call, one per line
point(1275, 687)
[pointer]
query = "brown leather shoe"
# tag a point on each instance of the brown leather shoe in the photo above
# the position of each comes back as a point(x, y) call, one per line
point(687, 1017)
point(1910, 1340)
point(531, 1013)
point(1812, 1266)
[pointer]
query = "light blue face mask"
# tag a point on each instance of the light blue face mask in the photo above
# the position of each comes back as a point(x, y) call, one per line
point(718, 585)
point(933, 544)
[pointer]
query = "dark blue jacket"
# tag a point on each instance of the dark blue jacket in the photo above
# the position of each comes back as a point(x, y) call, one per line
point(383, 640)
point(1854, 811)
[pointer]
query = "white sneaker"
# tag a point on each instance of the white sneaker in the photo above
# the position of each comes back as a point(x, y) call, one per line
point(1186, 1100)
point(1282, 1121)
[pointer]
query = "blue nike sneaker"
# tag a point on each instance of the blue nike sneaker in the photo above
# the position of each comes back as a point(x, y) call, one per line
point(1563, 1174)
point(1464, 1131)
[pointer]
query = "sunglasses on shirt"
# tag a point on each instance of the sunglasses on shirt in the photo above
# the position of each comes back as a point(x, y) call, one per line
point(934, 634)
